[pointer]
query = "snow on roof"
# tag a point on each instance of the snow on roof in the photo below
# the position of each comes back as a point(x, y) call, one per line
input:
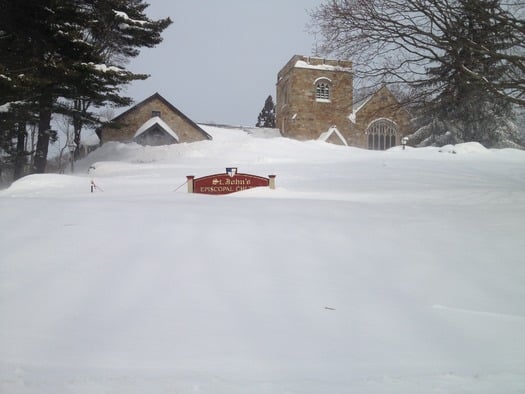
point(156, 120)
point(325, 67)
point(171, 107)
point(357, 107)
point(361, 103)
point(331, 131)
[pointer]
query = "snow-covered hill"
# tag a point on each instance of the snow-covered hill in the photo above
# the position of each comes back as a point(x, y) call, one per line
point(363, 272)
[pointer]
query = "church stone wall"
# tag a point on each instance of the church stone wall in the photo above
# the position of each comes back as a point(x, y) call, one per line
point(382, 104)
point(299, 114)
point(131, 121)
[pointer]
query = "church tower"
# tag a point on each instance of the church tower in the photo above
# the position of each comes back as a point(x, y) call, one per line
point(314, 94)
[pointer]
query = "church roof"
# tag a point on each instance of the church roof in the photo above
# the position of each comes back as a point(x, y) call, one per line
point(360, 104)
point(156, 121)
point(333, 134)
point(157, 96)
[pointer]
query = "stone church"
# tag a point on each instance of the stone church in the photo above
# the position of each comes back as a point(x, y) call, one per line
point(153, 121)
point(315, 101)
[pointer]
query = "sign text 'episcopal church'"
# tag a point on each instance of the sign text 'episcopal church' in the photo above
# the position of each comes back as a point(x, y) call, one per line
point(229, 182)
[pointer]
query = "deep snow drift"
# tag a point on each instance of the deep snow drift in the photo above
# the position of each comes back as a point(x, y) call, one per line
point(363, 272)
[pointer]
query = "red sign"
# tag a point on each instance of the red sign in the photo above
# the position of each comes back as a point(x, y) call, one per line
point(229, 182)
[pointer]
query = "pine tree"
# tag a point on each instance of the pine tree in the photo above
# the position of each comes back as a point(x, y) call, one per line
point(266, 117)
point(72, 50)
point(465, 110)
point(14, 128)
point(463, 59)
point(117, 30)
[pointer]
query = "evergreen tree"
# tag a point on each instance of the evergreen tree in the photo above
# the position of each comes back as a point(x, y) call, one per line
point(73, 50)
point(117, 30)
point(13, 138)
point(266, 117)
point(465, 110)
point(31, 45)
point(463, 59)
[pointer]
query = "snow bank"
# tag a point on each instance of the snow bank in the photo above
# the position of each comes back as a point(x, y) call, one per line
point(40, 185)
point(363, 272)
point(467, 147)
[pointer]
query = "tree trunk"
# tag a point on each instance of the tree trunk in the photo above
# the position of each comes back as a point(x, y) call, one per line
point(44, 132)
point(80, 107)
point(21, 156)
point(77, 129)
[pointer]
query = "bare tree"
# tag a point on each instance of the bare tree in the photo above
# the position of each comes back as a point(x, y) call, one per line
point(464, 60)
point(65, 139)
point(392, 41)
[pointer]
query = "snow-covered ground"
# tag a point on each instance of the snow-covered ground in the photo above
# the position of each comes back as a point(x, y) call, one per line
point(363, 272)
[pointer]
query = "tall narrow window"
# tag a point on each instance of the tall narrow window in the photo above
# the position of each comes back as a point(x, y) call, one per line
point(323, 87)
point(381, 134)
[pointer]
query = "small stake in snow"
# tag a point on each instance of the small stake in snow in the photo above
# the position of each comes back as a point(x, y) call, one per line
point(95, 187)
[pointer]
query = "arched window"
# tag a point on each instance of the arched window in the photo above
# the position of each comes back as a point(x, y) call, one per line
point(381, 134)
point(323, 88)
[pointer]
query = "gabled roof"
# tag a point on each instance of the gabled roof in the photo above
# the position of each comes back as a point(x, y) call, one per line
point(360, 104)
point(357, 107)
point(331, 134)
point(156, 121)
point(364, 101)
point(169, 105)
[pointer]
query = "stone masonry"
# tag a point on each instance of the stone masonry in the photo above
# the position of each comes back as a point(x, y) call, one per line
point(382, 105)
point(130, 121)
point(314, 94)
point(299, 114)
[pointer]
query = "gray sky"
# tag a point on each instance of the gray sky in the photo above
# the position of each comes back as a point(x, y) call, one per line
point(220, 58)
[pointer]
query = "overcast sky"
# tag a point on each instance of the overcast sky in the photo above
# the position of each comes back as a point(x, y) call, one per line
point(220, 58)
